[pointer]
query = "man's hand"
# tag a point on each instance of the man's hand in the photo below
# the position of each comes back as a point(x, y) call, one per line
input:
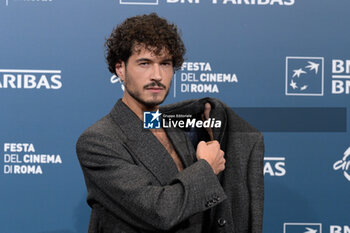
point(211, 152)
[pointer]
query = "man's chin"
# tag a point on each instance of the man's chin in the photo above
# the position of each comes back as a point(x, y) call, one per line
point(149, 101)
point(153, 103)
point(155, 100)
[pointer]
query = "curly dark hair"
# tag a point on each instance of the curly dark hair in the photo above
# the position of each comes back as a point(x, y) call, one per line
point(152, 31)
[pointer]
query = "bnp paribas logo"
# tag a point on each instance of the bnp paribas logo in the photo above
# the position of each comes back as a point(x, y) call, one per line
point(151, 120)
point(344, 164)
point(302, 228)
point(304, 76)
point(139, 2)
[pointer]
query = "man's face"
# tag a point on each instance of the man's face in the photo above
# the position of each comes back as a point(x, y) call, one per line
point(147, 77)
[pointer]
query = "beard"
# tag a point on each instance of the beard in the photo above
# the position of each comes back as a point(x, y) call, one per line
point(137, 95)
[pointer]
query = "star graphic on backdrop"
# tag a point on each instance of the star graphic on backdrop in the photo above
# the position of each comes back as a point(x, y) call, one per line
point(310, 230)
point(298, 72)
point(312, 66)
point(303, 87)
point(293, 84)
point(156, 115)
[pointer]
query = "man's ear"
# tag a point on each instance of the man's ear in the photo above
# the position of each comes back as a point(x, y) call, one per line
point(120, 69)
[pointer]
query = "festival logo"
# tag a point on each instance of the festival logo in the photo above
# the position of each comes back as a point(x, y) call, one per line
point(344, 164)
point(25, 159)
point(201, 77)
point(302, 228)
point(305, 76)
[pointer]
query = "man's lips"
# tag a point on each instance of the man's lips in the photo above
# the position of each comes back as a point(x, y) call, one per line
point(155, 89)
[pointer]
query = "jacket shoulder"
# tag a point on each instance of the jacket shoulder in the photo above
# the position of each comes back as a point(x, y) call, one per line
point(103, 132)
point(236, 123)
point(105, 126)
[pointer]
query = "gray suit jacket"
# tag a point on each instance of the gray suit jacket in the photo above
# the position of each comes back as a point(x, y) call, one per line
point(134, 186)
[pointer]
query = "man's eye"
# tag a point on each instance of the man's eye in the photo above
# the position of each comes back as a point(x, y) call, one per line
point(144, 63)
point(166, 64)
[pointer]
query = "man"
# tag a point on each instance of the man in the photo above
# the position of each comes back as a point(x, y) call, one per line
point(141, 180)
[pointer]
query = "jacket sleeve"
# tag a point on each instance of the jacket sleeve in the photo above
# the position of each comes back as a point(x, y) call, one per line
point(256, 185)
point(128, 190)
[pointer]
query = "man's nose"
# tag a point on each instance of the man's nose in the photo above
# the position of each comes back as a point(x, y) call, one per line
point(156, 72)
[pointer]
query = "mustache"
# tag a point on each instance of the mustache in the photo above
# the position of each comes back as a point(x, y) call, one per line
point(155, 84)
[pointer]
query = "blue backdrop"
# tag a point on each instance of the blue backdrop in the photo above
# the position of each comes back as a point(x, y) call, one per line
point(287, 60)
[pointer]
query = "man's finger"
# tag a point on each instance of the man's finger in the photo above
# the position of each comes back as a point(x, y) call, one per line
point(205, 116)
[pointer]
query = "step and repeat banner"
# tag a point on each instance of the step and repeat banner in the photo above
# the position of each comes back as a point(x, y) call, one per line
point(283, 65)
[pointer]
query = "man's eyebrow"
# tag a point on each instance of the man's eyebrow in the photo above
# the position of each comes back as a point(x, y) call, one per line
point(167, 60)
point(150, 60)
point(143, 60)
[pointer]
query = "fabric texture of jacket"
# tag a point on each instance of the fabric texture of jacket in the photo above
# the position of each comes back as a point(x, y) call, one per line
point(134, 185)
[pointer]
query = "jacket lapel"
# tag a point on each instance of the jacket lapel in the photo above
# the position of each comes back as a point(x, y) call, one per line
point(144, 145)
